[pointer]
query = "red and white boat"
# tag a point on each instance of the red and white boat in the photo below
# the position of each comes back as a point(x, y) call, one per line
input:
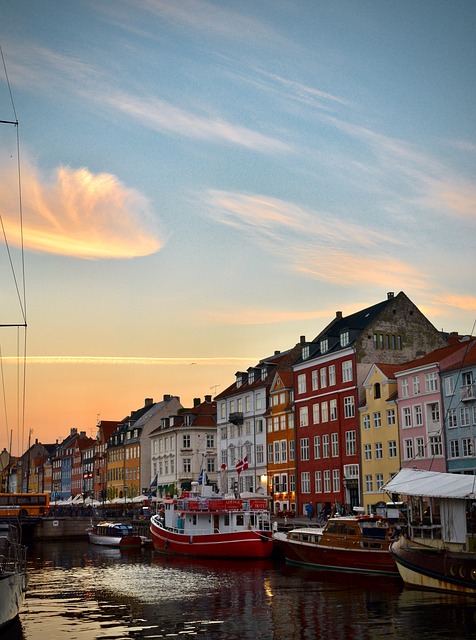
point(348, 543)
point(114, 534)
point(213, 527)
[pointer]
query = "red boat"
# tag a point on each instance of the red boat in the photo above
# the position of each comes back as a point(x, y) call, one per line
point(213, 527)
point(349, 543)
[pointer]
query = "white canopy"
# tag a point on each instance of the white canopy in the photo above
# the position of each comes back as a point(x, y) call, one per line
point(432, 484)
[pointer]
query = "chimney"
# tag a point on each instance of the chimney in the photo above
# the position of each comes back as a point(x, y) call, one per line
point(302, 339)
point(196, 402)
point(148, 402)
point(208, 398)
point(276, 353)
point(167, 397)
point(390, 295)
point(338, 315)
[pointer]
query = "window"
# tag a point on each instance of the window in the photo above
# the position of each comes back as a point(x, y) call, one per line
point(325, 445)
point(291, 421)
point(305, 482)
point(277, 451)
point(467, 446)
point(405, 391)
point(377, 419)
point(377, 390)
point(270, 453)
point(408, 448)
point(335, 480)
point(454, 449)
point(315, 413)
point(270, 425)
point(407, 417)
point(248, 403)
point(305, 352)
point(390, 417)
point(275, 423)
point(317, 447)
point(416, 385)
point(436, 448)
point(449, 386)
point(464, 416)
point(332, 375)
point(303, 417)
point(392, 448)
point(291, 450)
point(420, 447)
point(315, 380)
point(435, 412)
point(292, 482)
point(186, 441)
point(323, 377)
point(282, 422)
point(210, 440)
point(350, 443)
point(344, 338)
point(259, 426)
point(367, 451)
point(304, 448)
point(275, 400)
point(333, 409)
point(324, 412)
point(301, 383)
point(327, 481)
point(349, 407)
point(452, 422)
point(366, 421)
point(347, 371)
point(378, 451)
point(417, 415)
point(324, 344)
point(318, 481)
point(284, 451)
point(368, 483)
point(222, 410)
point(378, 481)
point(431, 382)
point(335, 445)
point(187, 465)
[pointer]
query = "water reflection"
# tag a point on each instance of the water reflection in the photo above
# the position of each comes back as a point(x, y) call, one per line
point(83, 591)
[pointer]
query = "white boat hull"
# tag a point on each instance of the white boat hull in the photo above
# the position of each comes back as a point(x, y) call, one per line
point(12, 593)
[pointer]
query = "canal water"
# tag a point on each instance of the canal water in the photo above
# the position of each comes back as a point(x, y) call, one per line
point(79, 591)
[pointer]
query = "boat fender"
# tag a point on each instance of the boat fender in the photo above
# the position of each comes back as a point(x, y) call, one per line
point(166, 543)
point(191, 539)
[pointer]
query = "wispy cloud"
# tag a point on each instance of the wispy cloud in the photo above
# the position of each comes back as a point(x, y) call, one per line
point(78, 213)
point(160, 115)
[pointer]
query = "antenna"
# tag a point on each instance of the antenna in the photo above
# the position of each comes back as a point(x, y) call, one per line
point(214, 387)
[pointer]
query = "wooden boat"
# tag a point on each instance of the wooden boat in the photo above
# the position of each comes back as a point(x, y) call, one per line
point(13, 573)
point(349, 543)
point(213, 527)
point(114, 534)
point(438, 550)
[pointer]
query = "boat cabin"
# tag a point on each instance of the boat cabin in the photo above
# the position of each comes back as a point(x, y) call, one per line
point(116, 530)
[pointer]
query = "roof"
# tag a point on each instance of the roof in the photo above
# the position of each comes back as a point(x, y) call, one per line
point(444, 356)
point(431, 484)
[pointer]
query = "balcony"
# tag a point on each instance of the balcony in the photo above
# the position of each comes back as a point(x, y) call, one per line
point(468, 392)
point(236, 417)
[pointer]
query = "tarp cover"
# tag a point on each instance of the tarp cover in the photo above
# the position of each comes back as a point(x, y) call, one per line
point(414, 482)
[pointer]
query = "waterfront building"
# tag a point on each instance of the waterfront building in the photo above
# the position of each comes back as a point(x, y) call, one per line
point(328, 388)
point(184, 449)
point(379, 439)
point(105, 428)
point(458, 390)
point(241, 425)
point(82, 467)
point(421, 414)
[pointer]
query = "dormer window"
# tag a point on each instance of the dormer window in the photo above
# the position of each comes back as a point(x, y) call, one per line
point(305, 352)
point(324, 344)
point(264, 373)
point(344, 338)
point(251, 377)
point(238, 382)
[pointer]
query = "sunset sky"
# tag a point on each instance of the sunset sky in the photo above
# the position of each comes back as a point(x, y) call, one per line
point(203, 182)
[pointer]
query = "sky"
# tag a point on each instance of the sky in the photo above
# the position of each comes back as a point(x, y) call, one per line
point(204, 182)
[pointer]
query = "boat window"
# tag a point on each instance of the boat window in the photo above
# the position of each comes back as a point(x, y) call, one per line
point(239, 520)
point(331, 528)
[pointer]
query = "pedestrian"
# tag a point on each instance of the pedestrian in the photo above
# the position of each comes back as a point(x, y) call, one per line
point(310, 510)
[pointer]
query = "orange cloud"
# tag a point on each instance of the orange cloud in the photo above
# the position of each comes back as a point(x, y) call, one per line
point(79, 214)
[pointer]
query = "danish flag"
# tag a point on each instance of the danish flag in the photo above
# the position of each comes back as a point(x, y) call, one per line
point(239, 466)
point(245, 463)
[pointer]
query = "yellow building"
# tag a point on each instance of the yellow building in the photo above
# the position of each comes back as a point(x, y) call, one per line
point(379, 442)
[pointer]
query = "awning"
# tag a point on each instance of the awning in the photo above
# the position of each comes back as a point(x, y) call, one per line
point(432, 484)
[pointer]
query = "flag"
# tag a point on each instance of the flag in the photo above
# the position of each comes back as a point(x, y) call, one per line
point(203, 477)
point(223, 467)
point(245, 463)
point(239, 466)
